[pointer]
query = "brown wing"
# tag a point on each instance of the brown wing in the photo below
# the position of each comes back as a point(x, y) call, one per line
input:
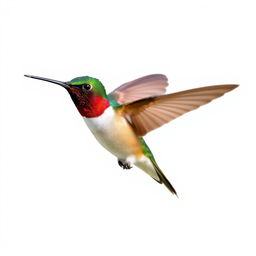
point(148, 114)
point(143, 87)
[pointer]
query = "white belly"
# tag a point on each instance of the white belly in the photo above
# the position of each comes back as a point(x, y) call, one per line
point(112, 135)
point(119, 139)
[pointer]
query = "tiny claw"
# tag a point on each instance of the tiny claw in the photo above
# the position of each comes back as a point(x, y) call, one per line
point(124, 164)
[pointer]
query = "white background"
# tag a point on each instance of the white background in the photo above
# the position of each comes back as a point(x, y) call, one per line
point(62, 193)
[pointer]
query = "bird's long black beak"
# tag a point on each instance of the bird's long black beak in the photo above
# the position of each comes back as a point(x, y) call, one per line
point(63, 84)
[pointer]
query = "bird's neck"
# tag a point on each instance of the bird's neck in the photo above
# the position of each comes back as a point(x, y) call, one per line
point(94, 107)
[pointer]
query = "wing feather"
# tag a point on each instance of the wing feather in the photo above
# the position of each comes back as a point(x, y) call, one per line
point(144, 87)
point(150, 113)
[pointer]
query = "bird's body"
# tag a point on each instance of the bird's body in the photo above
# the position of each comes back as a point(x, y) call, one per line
point(119, 120)
point(116, 135)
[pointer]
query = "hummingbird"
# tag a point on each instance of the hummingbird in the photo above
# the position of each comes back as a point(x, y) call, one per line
point(120, 119)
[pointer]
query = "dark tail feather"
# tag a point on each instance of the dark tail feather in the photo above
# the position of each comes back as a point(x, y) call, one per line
point(163, 179)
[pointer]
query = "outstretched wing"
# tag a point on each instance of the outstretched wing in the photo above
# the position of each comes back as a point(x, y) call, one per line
point(148, 114)
point(140, 88)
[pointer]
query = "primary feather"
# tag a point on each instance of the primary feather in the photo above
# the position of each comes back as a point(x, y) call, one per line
point(150, 113)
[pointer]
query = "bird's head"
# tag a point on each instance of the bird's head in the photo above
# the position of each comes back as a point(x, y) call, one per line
point(87, 93)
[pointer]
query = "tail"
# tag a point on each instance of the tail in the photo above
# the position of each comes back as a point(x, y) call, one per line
point(153, 169)
point(162, 178)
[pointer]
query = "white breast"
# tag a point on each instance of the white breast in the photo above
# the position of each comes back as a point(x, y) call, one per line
point(110, 134)
point(102, 122)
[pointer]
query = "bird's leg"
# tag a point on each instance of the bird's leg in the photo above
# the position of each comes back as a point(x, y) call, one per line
point(124, 164)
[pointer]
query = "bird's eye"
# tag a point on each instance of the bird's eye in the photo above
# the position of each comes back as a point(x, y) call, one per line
point(86, 87)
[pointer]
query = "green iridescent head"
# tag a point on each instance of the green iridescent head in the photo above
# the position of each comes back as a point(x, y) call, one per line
point(89, 83)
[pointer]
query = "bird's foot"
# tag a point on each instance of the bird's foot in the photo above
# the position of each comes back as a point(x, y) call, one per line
point(124, 164)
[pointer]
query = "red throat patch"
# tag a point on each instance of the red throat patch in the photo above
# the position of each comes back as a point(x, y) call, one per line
point(96, 108)
point(89, 105)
